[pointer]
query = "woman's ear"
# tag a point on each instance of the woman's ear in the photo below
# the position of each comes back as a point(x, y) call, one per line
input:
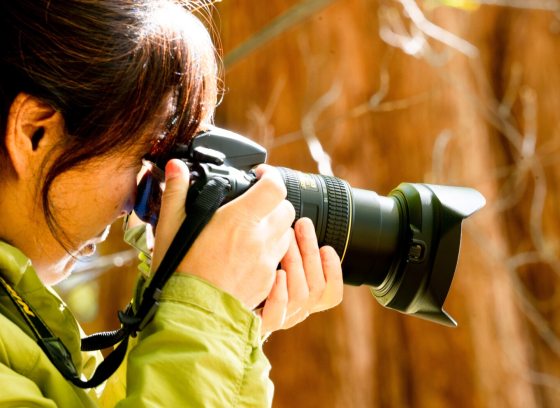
point(33, 129)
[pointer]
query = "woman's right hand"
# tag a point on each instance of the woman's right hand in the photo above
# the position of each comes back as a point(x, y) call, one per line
point(240, 248)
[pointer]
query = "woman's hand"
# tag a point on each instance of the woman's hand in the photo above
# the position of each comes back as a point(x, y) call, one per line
point(242, 245)
point(310, 281)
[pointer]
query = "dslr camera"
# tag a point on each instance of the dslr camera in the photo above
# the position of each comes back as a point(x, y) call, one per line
point(404, 246)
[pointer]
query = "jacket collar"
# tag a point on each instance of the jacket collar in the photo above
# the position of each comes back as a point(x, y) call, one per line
point(13, 263)
point(17, 269)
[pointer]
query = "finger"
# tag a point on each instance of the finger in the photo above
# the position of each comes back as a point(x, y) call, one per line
point(264, 168)
point(311, 257)
point(332, 294)
point(281, 218)
point(278, 247)
point(298, 291)
point(276, 232)
point(266, 194)
point(274, 310)
point(334, 289)
point(172, 212)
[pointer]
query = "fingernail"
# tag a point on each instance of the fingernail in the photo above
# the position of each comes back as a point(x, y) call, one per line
point(172, 170)
point(304, 225)
point(308, 222)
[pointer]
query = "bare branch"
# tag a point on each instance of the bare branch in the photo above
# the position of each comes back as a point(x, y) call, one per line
point(438, 155)
point(318, 154)
point(279, 25)
point(436, 32)
point(262, 130)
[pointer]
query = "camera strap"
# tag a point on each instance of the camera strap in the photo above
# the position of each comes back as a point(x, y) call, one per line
point(133, 319)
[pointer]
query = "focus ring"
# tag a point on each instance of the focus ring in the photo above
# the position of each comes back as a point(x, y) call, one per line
point(338, 216)
point(291, 180)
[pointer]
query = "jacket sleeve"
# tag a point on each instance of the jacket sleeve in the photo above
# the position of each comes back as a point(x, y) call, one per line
point(202, 349)
point(20, 391)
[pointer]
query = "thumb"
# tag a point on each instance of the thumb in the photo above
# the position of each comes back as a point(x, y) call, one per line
point(172, 211)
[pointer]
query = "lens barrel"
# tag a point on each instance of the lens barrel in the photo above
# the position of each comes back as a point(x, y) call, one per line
point(356, 221)
point(404, 246)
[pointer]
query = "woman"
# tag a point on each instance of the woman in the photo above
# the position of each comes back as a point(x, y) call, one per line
point(89, 89)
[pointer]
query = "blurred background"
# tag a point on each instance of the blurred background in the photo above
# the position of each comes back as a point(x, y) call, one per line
point(377, 92)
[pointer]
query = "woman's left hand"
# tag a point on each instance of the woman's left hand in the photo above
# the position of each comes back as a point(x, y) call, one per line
point(309, 281)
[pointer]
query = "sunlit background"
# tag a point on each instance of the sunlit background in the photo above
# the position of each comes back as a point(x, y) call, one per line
point(379, 92)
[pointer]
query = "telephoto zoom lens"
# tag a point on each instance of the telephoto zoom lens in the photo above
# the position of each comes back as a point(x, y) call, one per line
point(404, 246)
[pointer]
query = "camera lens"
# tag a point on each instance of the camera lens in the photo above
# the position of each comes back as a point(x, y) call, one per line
point(404, 246)
point(363, 227)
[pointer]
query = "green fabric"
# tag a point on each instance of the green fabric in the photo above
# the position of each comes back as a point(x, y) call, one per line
point(201, 350)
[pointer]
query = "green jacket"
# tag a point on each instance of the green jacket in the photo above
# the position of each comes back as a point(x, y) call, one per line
point(202, 349)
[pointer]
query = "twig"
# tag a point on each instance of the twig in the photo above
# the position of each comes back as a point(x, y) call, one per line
point(436, 32)
point(279, 25)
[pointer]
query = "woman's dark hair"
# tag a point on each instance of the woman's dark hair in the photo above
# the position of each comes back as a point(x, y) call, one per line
point(109, 67)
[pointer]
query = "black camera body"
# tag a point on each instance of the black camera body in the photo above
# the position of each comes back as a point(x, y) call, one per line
point(404, 246)
point(224, 154)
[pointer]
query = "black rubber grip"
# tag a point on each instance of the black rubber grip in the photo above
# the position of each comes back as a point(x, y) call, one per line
point(338, 215)
point(291, 180)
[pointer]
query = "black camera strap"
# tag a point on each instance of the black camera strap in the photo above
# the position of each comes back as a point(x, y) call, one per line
point(132, 319)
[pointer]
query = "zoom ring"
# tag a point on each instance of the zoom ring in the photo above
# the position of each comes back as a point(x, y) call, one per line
point(291, 181)
point(338, 216)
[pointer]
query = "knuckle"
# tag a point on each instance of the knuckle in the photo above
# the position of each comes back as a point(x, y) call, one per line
point(273, 183)
point(176, 188)
point(338, 299)
point(316, 289)
point(311, 250)
point(290, 210)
